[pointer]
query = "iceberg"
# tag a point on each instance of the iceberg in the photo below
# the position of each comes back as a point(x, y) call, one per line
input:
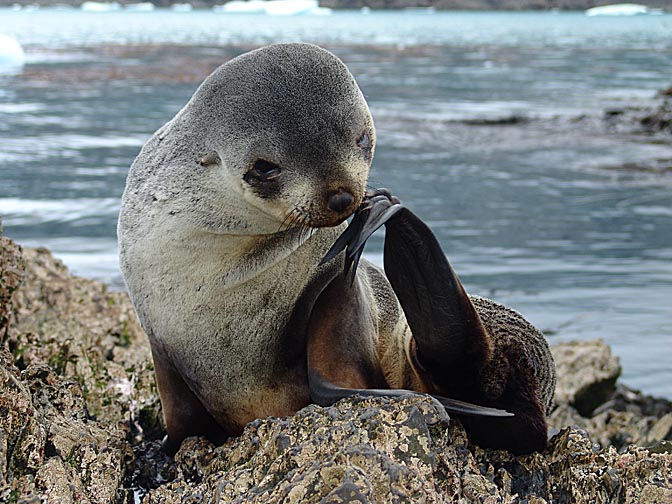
point(624, 9)
point(12, 56)
point(242, 7)
point(140, 7)
point(274, 7)
point(290, 7)
point(181, 7)
point(90, 6)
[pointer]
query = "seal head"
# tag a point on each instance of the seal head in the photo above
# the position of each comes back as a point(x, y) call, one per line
point(276, 136)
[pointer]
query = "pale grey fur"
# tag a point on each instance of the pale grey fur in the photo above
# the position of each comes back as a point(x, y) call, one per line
point(212, 276)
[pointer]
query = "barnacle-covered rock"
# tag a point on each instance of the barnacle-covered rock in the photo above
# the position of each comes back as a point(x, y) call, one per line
point(80, 421)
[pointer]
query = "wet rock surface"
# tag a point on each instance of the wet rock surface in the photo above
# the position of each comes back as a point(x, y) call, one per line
point(80, 421)
point(653, 121)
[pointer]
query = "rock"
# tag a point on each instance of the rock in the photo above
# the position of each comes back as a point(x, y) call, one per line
point(374, 450)
point(587, 374)
point(660, 119)
point(661, 447)
point(80, 422)
point(390, 450)
point(661, 430)
point(87, 334)
point(75, 375)
point(571, 470)
point(653, 120)
point(11, 273)
point(627, 399)
point(611, 428)
point(588, 397)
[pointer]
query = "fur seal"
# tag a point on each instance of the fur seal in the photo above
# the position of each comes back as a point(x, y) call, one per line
point(227, 211)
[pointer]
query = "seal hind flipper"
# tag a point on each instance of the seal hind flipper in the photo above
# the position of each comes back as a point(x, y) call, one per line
point(446, 328)
point(497, 363)
point(451, 349)
point(325, 393)
point(450, 340)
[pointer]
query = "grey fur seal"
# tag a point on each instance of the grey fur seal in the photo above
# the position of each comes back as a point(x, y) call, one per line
point(228, 210)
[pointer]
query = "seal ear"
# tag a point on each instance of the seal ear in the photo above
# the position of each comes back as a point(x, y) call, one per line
point(211, 158)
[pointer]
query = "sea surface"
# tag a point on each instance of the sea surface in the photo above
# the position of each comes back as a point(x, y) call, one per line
point(490, 127)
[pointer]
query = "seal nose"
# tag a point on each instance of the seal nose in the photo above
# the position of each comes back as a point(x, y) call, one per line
point(340, 200)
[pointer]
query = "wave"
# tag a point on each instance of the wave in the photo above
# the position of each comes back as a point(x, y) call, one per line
point(22, 212)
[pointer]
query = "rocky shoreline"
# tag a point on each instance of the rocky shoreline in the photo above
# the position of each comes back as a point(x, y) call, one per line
point(80, 421)
point(489, 5)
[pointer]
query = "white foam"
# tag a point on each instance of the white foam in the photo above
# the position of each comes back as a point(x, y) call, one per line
point(20, 108)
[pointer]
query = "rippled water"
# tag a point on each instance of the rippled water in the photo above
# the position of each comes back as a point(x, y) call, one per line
point(489, 125)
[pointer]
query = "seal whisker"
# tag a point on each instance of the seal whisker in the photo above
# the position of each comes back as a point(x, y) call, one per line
point(289, 220)
point(305, 229)
point(297, 220)
point(285, 223)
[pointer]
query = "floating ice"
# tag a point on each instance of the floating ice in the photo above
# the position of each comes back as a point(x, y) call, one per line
point(91, 6)
point(624, 9)
point(12, 56)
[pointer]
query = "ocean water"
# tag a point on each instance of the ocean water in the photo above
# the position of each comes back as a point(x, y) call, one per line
point(490, 127)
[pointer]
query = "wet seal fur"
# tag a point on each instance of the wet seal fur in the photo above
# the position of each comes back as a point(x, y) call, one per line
point(228, 210)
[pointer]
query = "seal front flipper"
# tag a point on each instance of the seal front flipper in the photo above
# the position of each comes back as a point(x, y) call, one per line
point(183, 412)
point(450, 340)
point(447, 330)
point(376, 209)
point(325, 393)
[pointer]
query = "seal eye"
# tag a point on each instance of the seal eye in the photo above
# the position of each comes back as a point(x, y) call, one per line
point(263, 171)
point(364, 143)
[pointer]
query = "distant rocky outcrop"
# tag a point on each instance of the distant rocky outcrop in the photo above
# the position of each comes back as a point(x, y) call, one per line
point(655, 120)
point(653, 123)
point(80, 421)
point(659, 119)
point(507, 5)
